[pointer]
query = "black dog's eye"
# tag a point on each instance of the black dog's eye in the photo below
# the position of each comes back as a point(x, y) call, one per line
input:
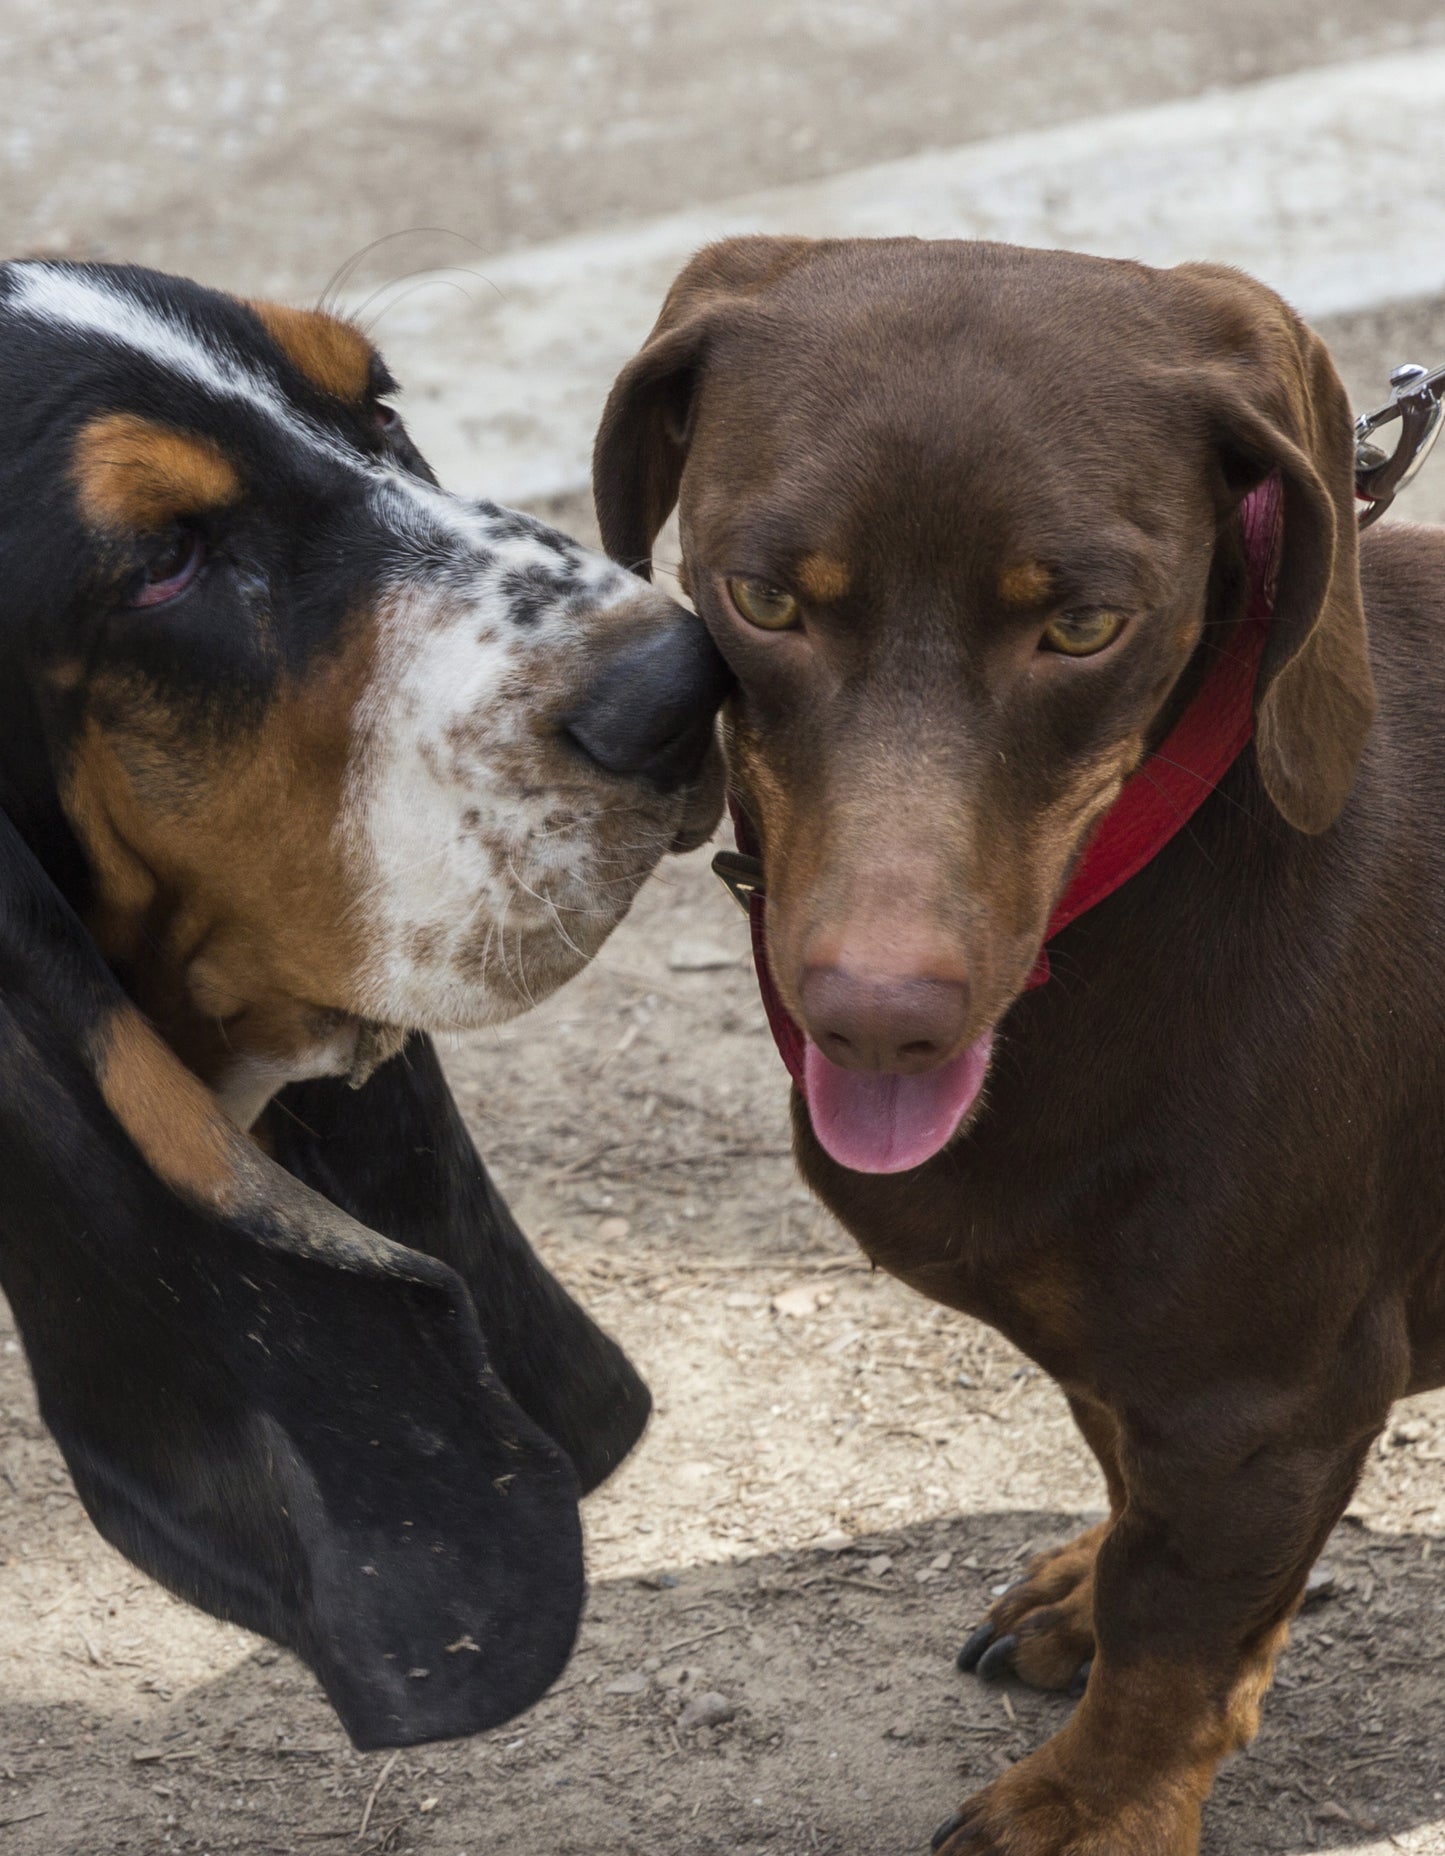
point(176, 558)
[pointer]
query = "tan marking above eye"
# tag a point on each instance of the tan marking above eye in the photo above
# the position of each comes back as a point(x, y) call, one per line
point(332, 354)
point(823, 578)
point(1082, 634)
point(768, 607)
point(1026, 583)
point(135, 474)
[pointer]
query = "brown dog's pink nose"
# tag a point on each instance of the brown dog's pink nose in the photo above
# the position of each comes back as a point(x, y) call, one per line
point(906, 1024)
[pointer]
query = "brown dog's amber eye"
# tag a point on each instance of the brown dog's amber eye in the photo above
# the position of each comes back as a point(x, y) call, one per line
point(767, 607)
point(1081, 634)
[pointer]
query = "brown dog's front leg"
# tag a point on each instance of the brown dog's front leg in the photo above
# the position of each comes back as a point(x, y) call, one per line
point(1194, 1585)
point(1042, 1628)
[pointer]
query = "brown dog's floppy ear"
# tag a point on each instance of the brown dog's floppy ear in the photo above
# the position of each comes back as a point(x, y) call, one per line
point(641, 446)
point(1281, 407)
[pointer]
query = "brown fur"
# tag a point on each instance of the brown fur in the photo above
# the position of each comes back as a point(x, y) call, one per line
point(1202, 1185)
point(1026, 583)
point(134, 474)
point(171, 1118)
point(219, 891)
point(822, 578)
point(332, 354)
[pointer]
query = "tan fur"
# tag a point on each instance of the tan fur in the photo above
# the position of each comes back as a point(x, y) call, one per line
point(331, 353)
point(171, 1117)
point(823, 578)
point(219, 880)
point(1026, 583)
point(132, 473)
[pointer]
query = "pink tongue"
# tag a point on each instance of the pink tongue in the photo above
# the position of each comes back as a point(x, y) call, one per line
point(875, 1122)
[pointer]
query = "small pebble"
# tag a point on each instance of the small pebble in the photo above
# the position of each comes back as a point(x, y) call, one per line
point(1321, 1584)
point(836, 1541)
point(879, 1564)
point(692, 954)
point(707, 1710)
point(613, 1230)
point(633, 1683)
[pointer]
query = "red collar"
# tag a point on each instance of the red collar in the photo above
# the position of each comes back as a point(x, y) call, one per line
point(1157, 800)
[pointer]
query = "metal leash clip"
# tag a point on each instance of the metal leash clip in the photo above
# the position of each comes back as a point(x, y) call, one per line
point(741, 876)
point(1415, 394)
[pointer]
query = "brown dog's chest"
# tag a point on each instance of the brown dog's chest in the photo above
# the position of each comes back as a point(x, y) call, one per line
point(1181, 1146)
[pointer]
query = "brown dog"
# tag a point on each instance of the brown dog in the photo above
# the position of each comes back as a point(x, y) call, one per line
point(965, 521)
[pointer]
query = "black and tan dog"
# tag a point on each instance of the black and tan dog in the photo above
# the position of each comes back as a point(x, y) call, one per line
point(969, 525)
point(300, 757)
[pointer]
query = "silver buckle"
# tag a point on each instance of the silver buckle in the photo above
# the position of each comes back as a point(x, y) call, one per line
point(741, 876)
point(1415, 394)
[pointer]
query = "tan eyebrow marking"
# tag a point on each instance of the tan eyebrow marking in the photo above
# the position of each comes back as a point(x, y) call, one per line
point(134, 473)
point(822, 577)
point(1027, 583)
point(332, 354)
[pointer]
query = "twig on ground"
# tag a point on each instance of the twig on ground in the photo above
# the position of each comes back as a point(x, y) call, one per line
point(381, 1779)
point(684, 1643)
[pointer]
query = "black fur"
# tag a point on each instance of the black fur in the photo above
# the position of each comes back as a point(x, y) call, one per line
point(357, 1415)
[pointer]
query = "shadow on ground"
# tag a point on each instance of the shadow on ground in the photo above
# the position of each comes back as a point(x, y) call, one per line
point(852, 1734)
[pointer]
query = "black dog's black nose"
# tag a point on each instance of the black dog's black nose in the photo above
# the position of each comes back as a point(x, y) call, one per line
point(649, 711)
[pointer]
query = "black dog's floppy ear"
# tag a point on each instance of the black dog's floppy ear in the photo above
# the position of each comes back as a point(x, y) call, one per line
point(282, 1416)
point(397, 1156)
point(1280, 406)
point(641, 445)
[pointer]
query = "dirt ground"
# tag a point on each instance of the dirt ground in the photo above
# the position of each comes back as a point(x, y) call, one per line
point(261, 146)
point(837, 1479)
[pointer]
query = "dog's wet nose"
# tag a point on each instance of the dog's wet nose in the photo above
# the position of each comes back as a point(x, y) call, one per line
point(904, 1024)
point(648, 713)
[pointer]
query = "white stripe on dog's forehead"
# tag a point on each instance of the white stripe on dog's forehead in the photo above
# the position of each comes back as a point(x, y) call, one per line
point(91, 305)
point(99, 306)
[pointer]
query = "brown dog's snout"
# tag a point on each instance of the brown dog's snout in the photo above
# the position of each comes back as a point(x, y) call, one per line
point(903, 1023)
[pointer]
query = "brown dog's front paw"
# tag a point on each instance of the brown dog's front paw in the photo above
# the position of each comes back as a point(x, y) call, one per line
point(1033, 1810)
point(1042, 1629)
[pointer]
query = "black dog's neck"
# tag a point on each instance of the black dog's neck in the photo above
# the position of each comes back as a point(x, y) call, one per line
point(28, 792)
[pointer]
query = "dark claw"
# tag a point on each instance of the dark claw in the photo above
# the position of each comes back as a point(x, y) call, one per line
point(1081, 1678)
point(998, 1659)
point(946, 1829)
point(980, 1640)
